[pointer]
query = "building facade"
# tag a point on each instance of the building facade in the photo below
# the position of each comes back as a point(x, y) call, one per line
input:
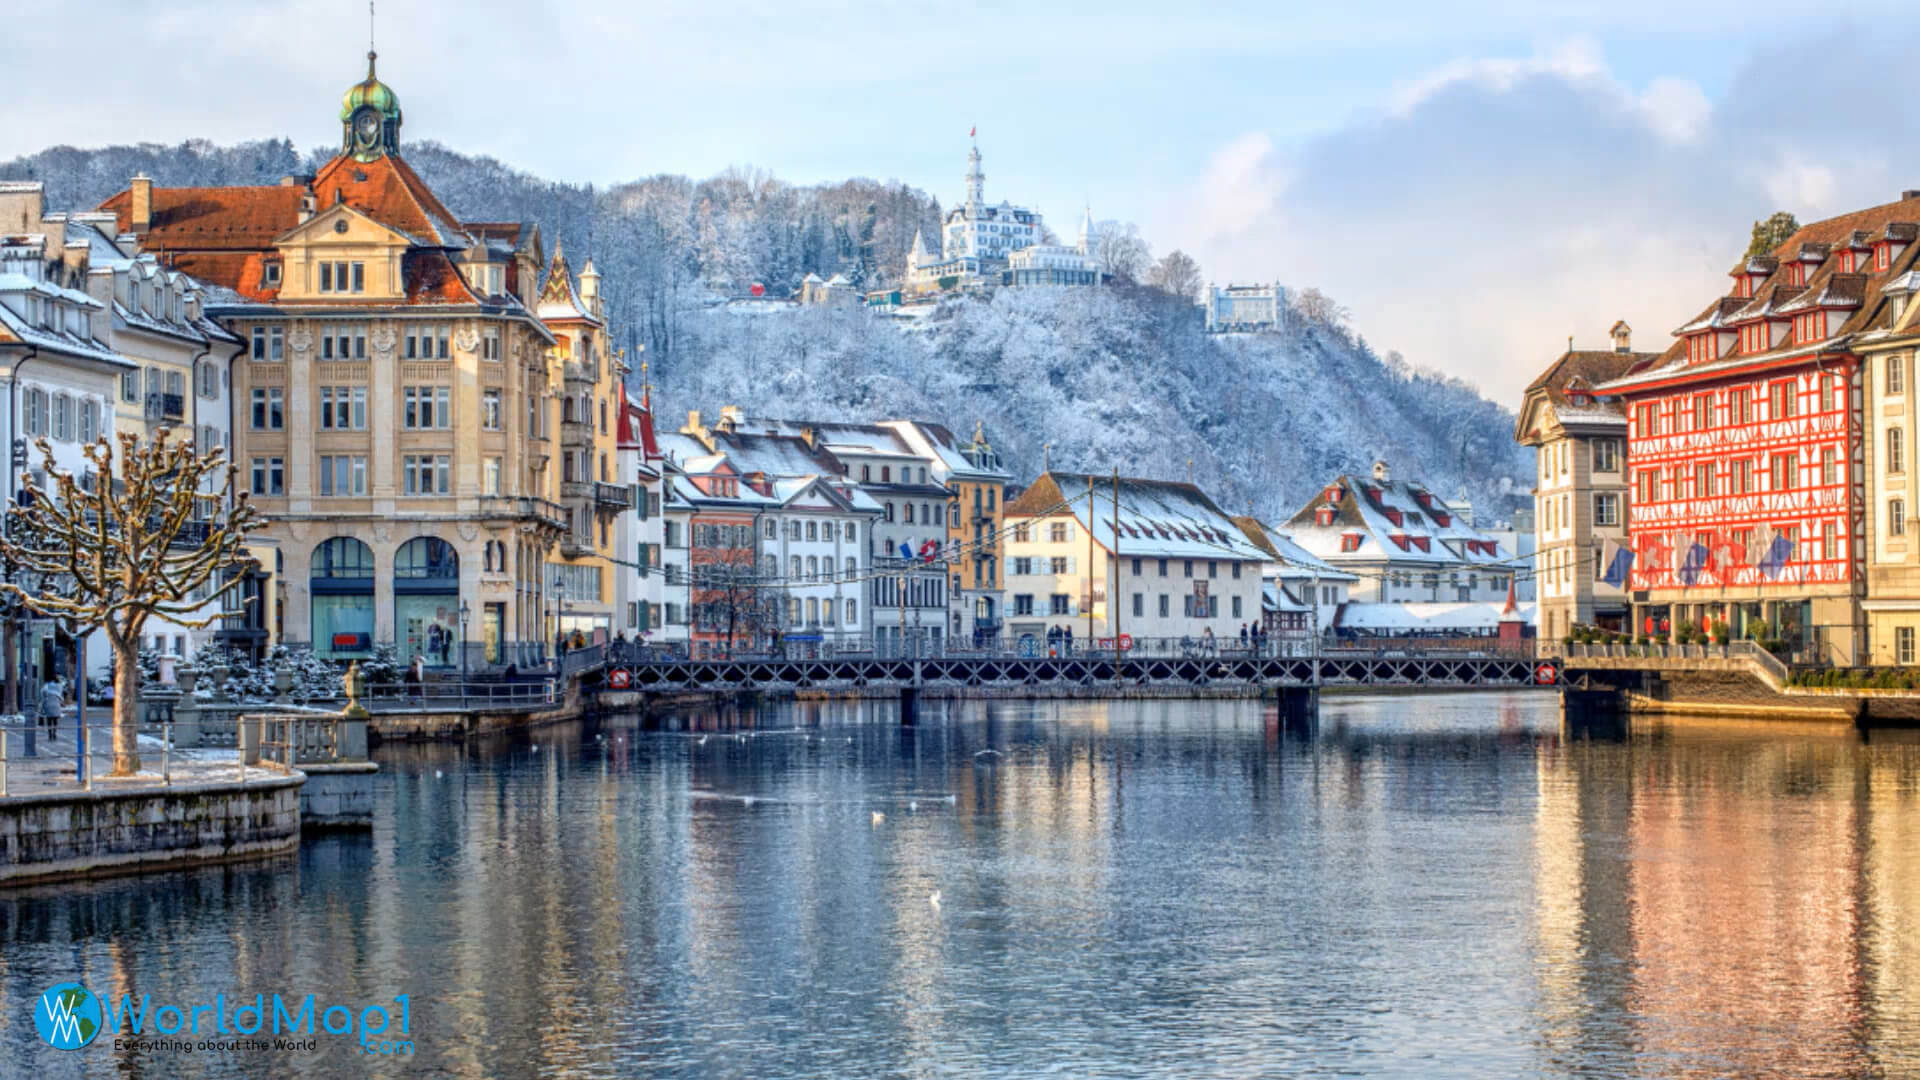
point(1580, 496)
point(1887, 350)
point(640, 533)
point(1180, 566)
point(981, 244)
point(1754, 457)
point(399, 404)
point(1404, 543)
point(1244, 307)
point(976, 485)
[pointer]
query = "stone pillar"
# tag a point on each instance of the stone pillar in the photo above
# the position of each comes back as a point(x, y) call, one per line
point(186, 713)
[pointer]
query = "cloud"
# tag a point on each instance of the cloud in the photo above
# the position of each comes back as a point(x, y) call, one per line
point(1497, 206)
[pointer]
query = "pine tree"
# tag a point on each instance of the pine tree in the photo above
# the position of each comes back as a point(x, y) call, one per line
point(1772, 232)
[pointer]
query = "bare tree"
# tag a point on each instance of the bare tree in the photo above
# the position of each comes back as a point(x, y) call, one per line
point(1177, 274)
point(126, 547)
point(1772, 232)
point(1315, 306)
point(1121, 252)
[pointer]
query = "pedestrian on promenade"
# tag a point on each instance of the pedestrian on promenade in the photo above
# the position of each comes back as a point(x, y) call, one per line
point(413, 679)
point(1243, 635)
point(53, 702)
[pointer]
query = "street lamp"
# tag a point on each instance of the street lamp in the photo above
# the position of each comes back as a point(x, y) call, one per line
point(465, 613)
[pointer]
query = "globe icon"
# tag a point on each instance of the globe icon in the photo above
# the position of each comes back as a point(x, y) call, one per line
point(67, 1016)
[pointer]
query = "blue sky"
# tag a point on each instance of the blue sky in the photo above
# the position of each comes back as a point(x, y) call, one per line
point(1475, 181)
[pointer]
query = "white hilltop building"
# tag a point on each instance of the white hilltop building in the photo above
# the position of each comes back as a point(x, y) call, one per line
point(1261, 306)
point(982, 245)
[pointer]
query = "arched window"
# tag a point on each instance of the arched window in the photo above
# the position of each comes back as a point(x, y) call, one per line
point(813, 567)
point(603, 468)
point(793, 568)
point(342, 557)
point(770, 568)
point(851, 571)
point(849, 535)
point(909, 507)
point(426, 557)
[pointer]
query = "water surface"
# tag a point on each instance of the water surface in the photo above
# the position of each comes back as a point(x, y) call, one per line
point(1419, 886)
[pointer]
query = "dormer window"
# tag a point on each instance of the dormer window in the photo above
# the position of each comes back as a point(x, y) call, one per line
point(1350, 542)
point(1394, 516)
point(1324, 515)
point(270, 272)
point(1796, 274)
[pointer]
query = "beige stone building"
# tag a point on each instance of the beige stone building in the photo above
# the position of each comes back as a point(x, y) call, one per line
point(1580, 500)
point(1887, 352)
point(423, 444)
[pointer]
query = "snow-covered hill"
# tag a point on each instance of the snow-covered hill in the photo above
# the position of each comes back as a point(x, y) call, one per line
point(1108, 377)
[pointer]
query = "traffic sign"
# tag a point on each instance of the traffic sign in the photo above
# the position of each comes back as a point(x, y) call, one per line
point(620, 678)
point(1545, 674)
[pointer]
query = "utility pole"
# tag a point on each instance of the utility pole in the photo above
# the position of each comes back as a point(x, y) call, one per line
point(900, 635)
point(1113, 591)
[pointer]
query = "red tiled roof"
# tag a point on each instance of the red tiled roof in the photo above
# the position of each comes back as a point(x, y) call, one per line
point(212, 219)
point(389, 191)
point(431, 279)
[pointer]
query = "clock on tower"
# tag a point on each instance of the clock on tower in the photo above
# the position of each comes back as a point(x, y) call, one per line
point(370, 117)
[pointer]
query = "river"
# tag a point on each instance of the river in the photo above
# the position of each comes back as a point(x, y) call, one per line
point(1448, 885)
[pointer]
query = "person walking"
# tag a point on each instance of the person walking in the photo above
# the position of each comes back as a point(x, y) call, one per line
point(413, 679)
point(53, 701)
point(1243, 635)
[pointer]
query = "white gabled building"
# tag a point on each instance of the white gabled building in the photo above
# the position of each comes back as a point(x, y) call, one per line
point(1245, 307)
point(1180, 565)
point(1404, 543)
point(1302, 589)
point(640, 592)
point(813, 543)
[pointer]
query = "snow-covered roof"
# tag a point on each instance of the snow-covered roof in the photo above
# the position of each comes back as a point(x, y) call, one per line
point(1394, 521)
point(1157, 518)
point(1429, 616)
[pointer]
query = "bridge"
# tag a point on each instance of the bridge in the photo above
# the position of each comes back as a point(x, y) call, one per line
point(1294, 678)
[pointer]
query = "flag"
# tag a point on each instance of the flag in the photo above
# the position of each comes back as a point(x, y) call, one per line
point(930, 550)
point(1617, 563)
point(972, 131)
point(1779, 554)
point(1696, 561)
point(905, 551)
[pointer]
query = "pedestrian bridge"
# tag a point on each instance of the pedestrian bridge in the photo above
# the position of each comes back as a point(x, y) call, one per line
point(1395, 668)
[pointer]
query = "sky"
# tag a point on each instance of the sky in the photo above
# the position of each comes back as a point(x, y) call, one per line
point(1474, 181)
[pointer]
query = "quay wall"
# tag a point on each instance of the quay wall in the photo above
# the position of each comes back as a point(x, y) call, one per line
point(70, 834)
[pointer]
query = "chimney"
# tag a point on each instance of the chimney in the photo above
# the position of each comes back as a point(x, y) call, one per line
point(1381, 473)
point(309, 205)
point(1910, 193)
point(1622, 337)
point(140, 209)
point(693, 422)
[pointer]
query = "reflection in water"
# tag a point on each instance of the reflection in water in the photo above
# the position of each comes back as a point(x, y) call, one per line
point(1419, 886)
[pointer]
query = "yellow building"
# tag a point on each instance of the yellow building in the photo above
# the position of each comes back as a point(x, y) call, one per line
point(399, 404)
point(1887, 351)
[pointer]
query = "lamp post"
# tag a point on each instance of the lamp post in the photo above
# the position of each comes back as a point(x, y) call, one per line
point(465, 613)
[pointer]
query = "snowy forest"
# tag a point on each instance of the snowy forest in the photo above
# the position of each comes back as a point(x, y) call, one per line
point(1088, 378)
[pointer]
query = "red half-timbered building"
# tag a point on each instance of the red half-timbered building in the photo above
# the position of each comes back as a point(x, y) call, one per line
point(1745, 446)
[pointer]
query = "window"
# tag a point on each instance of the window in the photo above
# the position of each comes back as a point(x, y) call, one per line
point(1896, 517)
point(1702, 411)
point(1236, 607)
point(490, 409)
point(343, 277)
point(1826, 394)
point(1896, 450)
point(1059, 604)
point(206, 379)
point(1739, 406)
point(1781, 404)
point(1236, 571)
point(1163, 567)
point(425, 341)
point(1020, 533)
point(269, 476)
point(427, 474)
point(130, 387)
point(1647, 420)
point(490, 342)
point(490, 477)
point(269, 408)
point(1057, 532)
point(344, 342)
point(1903, 645)
point(1703, 480)
point(1022, 565)
point(427, 407)
point(909, 510)
point(1646, 484)
point(1188, 566)
point(1139, 605)
point(343, 474)
point(1165, 605)
point(1023, 604)
point(1606, 511)
point(1740, 480)
point(1606, 455)
point(1829, 464)
point(1058, 565)
point(1785, 472)
point(63, 418)
point(89, 420)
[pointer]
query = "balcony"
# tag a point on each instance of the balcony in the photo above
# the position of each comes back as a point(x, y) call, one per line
point(166, 406)
point(575, 546)
point(576, 489)
point(520, 508)
point(576, 433)
point(582, 375)
point(612, 497)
